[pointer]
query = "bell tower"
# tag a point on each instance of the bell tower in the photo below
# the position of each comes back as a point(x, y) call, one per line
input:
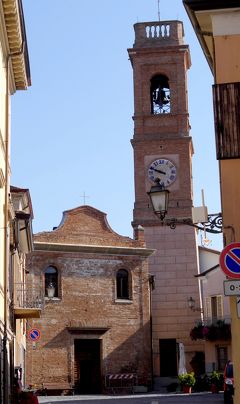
point(163, 150)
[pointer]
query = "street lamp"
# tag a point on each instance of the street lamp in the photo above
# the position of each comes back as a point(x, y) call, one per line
point(159, 197)
point(191, 305)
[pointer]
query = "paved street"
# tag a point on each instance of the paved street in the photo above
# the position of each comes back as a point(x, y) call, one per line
point(207, 398)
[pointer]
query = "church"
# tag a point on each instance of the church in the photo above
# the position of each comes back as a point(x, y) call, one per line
point(96, 321)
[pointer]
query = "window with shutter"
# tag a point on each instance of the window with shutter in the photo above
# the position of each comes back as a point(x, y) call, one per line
point(214, 308)
point(219, 307)
point(208, 310)
point(222, 357)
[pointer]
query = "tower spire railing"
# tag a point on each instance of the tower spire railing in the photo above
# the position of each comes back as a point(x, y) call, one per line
point(154, 32)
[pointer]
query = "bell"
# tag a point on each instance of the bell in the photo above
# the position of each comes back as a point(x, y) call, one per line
point(166, 100)
point(161, 98)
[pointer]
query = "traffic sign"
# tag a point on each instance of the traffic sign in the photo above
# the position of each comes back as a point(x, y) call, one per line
point(231, 288)
point(230, 260)
point(34, 334)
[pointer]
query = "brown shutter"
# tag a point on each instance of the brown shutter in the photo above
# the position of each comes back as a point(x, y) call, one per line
point(226, 104)
point(219, 307)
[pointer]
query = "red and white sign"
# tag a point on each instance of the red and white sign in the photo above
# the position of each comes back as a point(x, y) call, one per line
point(230, 260)
point(34, 334)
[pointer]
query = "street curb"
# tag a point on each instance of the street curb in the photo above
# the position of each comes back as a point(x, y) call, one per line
point(56, 399)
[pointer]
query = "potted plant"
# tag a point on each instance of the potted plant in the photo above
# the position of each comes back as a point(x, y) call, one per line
point(216, 381)
point(187, 381)
point(28, 396)
point(213, 332)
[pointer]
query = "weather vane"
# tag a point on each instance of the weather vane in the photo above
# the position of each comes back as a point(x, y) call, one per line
point(158, 10)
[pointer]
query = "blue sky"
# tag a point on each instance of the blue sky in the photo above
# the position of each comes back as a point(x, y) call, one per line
point(71, 129)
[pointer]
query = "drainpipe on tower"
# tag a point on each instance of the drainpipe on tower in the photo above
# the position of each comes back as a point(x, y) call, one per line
point(152, 287)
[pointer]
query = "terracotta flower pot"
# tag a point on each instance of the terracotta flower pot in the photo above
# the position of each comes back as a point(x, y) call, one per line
point(187, 389)
point(214, 388)
point(28, 397)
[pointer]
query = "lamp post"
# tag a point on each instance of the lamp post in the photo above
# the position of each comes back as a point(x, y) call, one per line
point(159, 197)
point(191, 303)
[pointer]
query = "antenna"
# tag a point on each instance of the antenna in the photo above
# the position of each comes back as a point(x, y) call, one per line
point(158, 10)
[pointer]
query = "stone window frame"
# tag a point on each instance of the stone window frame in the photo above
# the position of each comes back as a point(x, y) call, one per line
point(57, 295)
point(124, 299)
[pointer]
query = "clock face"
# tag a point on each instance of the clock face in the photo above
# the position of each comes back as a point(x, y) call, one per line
point(164, 170)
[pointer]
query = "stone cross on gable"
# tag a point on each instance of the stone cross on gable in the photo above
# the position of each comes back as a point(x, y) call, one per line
point(84, 196)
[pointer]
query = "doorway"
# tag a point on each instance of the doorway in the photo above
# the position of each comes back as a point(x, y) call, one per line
point(168, 357)
point(87, 366)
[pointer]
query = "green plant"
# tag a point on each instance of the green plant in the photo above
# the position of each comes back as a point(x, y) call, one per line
point(217, 379)
point(187, 379)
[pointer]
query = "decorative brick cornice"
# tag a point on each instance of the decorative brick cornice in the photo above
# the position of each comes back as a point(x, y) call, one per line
point(109, 250)
point(15, 30)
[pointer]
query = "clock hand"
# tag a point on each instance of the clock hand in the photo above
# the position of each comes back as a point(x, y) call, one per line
point(158, 171)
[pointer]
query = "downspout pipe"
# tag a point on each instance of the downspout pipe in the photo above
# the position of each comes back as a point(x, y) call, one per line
point(6, 225)
point(151, 288)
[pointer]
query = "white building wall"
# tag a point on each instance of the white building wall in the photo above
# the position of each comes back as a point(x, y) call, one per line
point(212, 284)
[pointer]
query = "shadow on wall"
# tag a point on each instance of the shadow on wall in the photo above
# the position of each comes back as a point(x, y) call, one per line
point(86, 361)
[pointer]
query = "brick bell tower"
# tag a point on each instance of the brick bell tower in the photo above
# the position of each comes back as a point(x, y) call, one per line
point(163, 149)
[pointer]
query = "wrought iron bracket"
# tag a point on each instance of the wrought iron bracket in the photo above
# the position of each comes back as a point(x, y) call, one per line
point(214, 224)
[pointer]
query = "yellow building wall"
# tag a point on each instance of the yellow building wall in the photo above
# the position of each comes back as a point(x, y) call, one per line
point(13, 76)
point(227, 67)
point(230, 180)
point(227, 70)
point(211, 351)
point(2, 175)
point(227, 58)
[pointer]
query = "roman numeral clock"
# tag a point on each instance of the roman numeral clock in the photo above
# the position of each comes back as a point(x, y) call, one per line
point(162, 170)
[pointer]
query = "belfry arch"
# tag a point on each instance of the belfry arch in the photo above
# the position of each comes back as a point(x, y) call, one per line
point(160, 94)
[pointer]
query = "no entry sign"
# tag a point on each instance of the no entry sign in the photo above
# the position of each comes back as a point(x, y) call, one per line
point(230, 260)
point(34, 334)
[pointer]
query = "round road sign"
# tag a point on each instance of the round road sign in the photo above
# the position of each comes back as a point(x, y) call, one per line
point(230, 260)
point(34, 334)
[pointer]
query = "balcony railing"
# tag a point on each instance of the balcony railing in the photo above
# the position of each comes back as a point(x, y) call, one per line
point(212, 329)
point(28, 301)
point(215, 320)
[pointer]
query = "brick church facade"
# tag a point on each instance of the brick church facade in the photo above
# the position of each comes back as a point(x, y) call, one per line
point(96, 319)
